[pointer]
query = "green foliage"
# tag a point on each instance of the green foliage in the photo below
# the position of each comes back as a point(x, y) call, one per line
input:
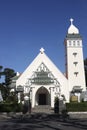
point(4, 87)
point(76, 107)
point(12, 97)
point(10, 107)
point(65, 113)
point(56, 105)
point(9, 73)
point(1, 71)
point(56, 100)
point(7, 96)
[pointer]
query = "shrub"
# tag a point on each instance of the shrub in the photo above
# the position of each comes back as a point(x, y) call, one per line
point(76, 107)
point(10, 107)
point(65, 113)
point(56, 105)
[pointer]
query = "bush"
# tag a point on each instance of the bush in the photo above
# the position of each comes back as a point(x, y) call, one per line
point(10, 107)
point(56, 105)
point(65, 113)
point(76, 107)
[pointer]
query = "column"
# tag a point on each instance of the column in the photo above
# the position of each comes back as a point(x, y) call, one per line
point(52, 96)
point(19, 98)
point(33, 97)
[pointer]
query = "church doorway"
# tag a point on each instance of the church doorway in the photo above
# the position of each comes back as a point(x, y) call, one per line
point(42, 96)
point(42, 99)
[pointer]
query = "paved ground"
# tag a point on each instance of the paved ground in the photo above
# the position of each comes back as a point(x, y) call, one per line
point(41, 122)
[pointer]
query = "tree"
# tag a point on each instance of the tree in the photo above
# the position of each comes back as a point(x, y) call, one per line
point(85, 64)
point(1, 72)
point(3, 90)
point(9, 73)
point(4, 87)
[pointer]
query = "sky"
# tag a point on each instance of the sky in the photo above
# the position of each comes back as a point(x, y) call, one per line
point(28, 25)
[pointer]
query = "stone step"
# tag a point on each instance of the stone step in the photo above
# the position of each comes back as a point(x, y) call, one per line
point(42, 109)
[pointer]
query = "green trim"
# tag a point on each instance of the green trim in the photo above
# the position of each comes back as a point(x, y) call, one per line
point(42, 78)
point(76, 36)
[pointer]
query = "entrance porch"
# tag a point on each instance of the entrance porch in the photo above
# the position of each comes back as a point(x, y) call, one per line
point(42, 97)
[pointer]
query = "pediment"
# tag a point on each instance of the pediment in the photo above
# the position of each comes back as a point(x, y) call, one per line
point(41, 66)
point(42, 76)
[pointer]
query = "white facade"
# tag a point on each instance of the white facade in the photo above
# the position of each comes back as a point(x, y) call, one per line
point(42, 80)
point(74, 59)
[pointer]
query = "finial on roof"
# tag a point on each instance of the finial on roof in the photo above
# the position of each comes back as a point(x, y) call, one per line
point(71, 20)
point(72, 29)
point(42, 50)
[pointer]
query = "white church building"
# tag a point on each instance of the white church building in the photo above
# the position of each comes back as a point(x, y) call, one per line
point(42, 81)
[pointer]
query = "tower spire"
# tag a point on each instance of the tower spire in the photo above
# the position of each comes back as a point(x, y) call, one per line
point(72, 29)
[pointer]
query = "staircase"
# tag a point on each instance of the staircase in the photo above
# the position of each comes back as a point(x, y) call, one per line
point(42, 109)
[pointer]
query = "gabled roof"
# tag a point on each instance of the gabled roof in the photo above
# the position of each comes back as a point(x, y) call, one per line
point(41, 58)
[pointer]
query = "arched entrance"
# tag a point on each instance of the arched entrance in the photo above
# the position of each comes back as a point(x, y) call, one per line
point(42, 96)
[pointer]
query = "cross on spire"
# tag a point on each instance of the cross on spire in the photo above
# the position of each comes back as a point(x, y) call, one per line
point(71, 20)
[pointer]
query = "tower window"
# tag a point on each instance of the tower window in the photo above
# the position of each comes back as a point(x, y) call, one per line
point(70, 43)
point(76, 73)
point(74, 43)
point(75, 63)
point(78, 43)
point(75, 54)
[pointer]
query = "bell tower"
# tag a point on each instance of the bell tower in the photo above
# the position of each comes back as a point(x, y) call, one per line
point(74, 59)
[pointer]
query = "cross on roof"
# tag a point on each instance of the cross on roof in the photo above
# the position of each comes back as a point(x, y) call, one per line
point(71, 20)
point(42, 50)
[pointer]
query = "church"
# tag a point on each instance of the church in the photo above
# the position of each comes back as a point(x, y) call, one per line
point(42, 81)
